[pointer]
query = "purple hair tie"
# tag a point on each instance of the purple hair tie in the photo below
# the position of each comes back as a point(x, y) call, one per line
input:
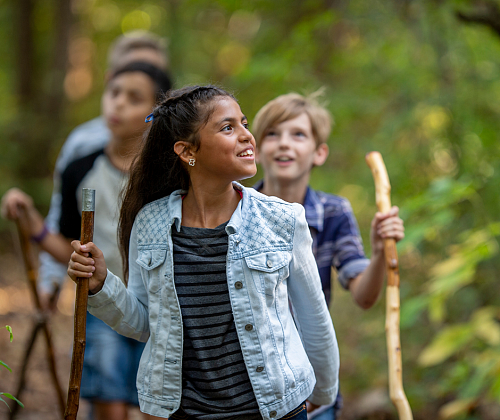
point(150, 118)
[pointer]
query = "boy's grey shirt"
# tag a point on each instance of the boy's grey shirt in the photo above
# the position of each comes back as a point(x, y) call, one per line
point(85, 139)
point(270, 257)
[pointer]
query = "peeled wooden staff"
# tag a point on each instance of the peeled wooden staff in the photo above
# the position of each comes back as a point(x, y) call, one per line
point(41, 317)
point(82, 292)
point(383, 199)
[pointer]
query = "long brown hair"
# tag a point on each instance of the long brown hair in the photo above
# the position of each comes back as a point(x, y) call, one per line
point(158, 171)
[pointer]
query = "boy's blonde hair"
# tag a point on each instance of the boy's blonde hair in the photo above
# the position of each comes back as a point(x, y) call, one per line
point(289, 106)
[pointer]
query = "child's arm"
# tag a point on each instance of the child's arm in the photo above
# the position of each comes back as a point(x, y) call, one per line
point(125, 309)
point(311, 312)
point(17, 205)
point(366, 287)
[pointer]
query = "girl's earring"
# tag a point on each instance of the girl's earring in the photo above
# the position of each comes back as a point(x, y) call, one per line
point(191, 162)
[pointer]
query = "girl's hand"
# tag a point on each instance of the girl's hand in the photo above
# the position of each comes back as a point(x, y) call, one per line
point(14, 200)
point(88, 261)
point(386, 225)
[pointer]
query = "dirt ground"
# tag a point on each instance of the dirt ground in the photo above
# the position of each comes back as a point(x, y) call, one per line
point(17, 310)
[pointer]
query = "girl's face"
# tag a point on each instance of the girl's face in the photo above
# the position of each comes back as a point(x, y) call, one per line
point(127, 100)
point(226, 147)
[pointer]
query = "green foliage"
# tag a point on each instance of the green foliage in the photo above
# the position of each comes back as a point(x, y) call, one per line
point(465, 347)
point(6, 394)
point(406, 78)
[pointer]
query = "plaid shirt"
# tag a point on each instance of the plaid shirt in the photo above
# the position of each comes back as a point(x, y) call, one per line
point(336, 239)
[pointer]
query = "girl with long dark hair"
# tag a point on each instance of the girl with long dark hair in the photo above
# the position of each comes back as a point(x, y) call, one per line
point(211, 267)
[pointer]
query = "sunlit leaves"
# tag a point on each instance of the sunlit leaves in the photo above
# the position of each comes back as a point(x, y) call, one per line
point(447, 342)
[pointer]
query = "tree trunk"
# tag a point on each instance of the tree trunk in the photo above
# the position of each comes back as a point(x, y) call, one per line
point(25, 51)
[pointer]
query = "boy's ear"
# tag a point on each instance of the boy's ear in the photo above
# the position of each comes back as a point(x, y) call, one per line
point(183, 150)
point(320, 154)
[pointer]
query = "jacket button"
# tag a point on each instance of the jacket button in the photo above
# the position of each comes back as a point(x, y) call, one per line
point(238, 285)
point(249, 327)
point(269, 263)
point(259, 369)
point(273, 414)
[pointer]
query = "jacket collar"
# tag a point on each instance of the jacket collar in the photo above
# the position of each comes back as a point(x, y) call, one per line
point(175, 208)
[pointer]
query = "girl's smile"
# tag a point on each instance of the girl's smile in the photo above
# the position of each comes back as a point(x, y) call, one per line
point(247, 153)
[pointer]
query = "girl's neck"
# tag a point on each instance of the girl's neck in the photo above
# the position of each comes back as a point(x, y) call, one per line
point(293, 191)
point(121, 152)
point(210, 206)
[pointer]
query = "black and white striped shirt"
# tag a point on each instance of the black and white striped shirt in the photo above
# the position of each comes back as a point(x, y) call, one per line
point(215, 380)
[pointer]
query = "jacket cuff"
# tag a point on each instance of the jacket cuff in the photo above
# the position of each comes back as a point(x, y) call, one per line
point(104, 295)
point(324, 398)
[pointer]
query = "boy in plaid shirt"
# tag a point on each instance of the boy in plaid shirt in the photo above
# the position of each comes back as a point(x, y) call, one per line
point(291, 133)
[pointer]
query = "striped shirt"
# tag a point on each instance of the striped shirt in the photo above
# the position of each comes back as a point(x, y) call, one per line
point(215, 380)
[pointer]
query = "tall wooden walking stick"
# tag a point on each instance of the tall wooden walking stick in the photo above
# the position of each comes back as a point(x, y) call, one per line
point(41, 320)
point(383, 199)
point(82, 292)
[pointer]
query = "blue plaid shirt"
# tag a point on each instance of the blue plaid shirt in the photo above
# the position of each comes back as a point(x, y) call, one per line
point(336, 239)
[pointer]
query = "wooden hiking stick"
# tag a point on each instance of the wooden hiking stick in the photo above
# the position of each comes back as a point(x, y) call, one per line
point(41, 317)
point(383, 199)
point(82, 293)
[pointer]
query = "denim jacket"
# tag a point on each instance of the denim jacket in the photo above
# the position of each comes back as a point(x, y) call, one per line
point(269, 260)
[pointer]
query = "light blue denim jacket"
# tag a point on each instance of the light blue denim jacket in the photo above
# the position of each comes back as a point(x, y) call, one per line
point(269, 260)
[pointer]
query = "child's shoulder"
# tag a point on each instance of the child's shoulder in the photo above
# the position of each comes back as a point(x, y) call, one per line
point(270, 204)
point(155, 207)
point(258, 196)
point(79, 168)
point(332, 204)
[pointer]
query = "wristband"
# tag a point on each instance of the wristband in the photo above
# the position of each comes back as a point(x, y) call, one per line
point(41, 236)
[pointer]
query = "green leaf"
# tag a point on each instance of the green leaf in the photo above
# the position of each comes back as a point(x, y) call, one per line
point(5, 366)
point(446, 343)
point(486, 326)
point(6, 394)
point(1, 399)
point(9, 329)
point(455, 408)
point(411, 310)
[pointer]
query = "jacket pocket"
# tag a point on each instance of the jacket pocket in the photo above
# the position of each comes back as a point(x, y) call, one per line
point(150, 261)
point(269, 269)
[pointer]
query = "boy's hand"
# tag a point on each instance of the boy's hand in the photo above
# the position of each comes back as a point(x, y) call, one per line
point(14, 200)
point(386, 225)
point(88, 261)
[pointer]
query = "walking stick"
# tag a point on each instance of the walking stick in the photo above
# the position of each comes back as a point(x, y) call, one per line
point(41, 318)
point(82, 292)
point(383, 199)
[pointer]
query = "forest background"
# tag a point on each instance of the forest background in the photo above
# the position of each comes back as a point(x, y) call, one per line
point(418, 81)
